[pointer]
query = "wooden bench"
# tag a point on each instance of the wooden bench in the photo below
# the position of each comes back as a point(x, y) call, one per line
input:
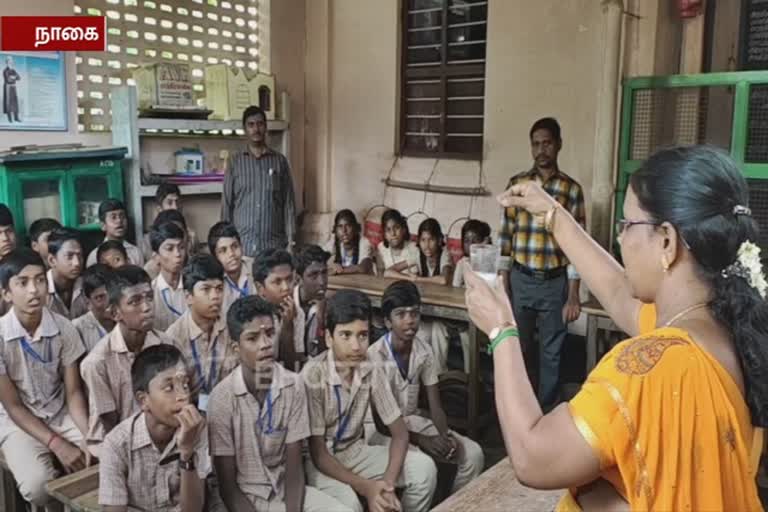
point(497, 490)
point(78, 492)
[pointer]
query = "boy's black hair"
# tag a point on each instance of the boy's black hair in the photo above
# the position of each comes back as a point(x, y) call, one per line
point(308, 255)
point(482, 229)
point(400, 294)
point(110, 205)
point(253, 110)
point(125, 277)
point(268, 259)
point(94, 277)
point(201, 268)
point(163, 232)
point(547, 123)
point(15, 262)
point(111, 245)
point(349, 216)
point(41, 226)
point(398, 217)
point(165, 189)
point(219, 230)
point(245, 309)
point(59, 236)
point(151, 361)
point(345, 307)
point(6, 217)
point(174, 216)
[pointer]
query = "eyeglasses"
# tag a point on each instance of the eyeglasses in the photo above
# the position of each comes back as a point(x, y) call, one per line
point(623, 225)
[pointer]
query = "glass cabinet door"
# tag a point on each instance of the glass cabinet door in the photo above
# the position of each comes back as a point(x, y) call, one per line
point(90, 191)
point(41, 198)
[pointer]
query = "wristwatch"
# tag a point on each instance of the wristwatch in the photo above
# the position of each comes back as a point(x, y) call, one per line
point(498, 330)
point(499, 334)
point(187, 465)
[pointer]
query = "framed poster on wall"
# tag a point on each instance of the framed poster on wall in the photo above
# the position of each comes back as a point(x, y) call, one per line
point(33, 92)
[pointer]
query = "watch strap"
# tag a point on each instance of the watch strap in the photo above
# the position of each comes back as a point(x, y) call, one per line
point(506, 332)
point(187, 465)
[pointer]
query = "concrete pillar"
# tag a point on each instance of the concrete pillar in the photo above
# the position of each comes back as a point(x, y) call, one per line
point(605, 136)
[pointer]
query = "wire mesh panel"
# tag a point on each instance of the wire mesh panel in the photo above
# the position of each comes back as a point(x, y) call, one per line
point(757, 126)
point(680, 116)
point(758, 202)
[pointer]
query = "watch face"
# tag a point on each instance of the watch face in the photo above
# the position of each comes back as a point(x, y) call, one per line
point(494, 332)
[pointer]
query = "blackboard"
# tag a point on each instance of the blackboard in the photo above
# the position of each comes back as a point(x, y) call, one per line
point(753, 39)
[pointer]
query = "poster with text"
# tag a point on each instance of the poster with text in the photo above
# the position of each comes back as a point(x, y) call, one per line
point(33, 91)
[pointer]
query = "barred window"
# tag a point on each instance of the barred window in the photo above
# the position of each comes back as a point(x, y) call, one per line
point(141, 32)
point(443, 78)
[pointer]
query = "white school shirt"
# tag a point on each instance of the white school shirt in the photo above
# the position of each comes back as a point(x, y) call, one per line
point(389, 256)
point(445, 261)
point(364, 250)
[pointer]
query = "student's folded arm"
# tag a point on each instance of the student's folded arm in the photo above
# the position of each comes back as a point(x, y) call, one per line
point(76, 404)
point(436, 411)
point(294, 478)
point(20, 415)
point(384, 404)
point(366, 266)
point(398, 448)
point(231, 495)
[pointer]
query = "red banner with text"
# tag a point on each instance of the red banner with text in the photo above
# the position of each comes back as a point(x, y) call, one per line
point(53, 33)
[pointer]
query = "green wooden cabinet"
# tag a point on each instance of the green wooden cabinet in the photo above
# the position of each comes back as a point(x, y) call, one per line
point(66, 185)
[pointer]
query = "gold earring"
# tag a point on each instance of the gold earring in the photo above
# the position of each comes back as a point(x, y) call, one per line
point(664, 263)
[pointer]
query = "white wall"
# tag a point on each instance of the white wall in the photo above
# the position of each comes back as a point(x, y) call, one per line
point(542, 60)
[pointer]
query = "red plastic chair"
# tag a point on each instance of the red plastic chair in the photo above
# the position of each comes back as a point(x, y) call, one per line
point(455, 245)
point(372, 228)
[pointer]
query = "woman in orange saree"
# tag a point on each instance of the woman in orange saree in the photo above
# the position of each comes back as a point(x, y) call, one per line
point(668, 419)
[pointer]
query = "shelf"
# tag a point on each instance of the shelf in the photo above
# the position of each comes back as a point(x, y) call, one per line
point(159, 127)
point(195, 189)
point(438, 189)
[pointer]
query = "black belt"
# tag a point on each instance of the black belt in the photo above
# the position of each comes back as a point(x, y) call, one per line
point(544, 275)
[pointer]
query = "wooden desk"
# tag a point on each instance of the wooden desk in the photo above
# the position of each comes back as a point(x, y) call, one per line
point(79, 492)
point(498, 490)
point(438, 301)
point(597, 320)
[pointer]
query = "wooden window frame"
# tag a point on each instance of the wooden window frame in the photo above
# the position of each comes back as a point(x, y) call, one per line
point(442, 73)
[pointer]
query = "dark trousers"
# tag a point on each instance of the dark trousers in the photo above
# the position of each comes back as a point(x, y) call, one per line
point(540, 302)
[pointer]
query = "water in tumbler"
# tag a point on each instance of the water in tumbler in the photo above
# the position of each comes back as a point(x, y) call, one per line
point(483, 260)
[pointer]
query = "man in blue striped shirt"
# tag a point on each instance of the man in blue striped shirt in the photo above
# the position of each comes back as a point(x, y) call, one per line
point(258, 193)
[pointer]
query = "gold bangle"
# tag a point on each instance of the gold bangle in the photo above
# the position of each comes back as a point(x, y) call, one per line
point(549, 220)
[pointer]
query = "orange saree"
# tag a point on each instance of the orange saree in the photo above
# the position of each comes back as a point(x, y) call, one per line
point(669, 426)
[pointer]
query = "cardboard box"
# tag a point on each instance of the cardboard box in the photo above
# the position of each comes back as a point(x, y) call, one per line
point(262, 87)
point(226, 92)
point(164, 84)
point(229, 91)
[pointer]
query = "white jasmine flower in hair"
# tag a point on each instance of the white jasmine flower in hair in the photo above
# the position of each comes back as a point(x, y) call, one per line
point(749, 259)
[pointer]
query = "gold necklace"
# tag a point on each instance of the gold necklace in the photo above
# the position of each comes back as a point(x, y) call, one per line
point(684, 312)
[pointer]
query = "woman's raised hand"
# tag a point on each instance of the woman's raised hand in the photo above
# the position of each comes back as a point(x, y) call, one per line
point(528, 196)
